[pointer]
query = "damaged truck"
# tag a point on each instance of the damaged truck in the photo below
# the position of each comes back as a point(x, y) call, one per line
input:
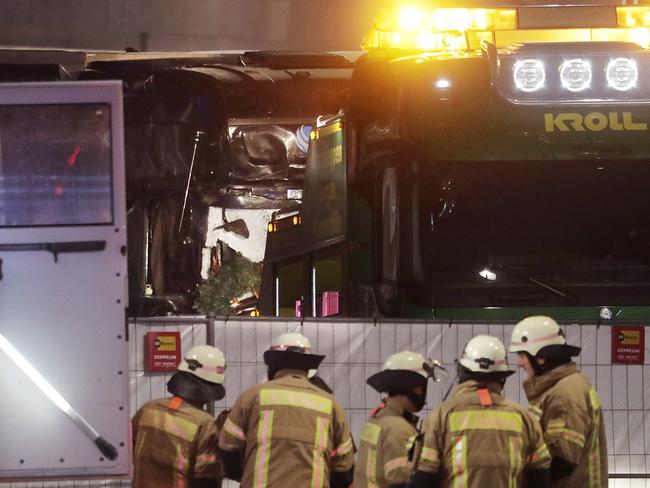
point(213, 141)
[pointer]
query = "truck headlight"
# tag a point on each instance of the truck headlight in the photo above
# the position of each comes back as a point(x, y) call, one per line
point(622, 74)
point(529, 75)
point(575, 74)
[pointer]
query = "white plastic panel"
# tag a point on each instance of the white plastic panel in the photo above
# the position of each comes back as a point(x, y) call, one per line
point(65, 316)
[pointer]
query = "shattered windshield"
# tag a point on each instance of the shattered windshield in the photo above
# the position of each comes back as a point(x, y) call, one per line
point(561, 231)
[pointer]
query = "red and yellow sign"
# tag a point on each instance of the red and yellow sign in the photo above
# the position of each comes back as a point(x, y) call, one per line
point(163, 351)
point(628, 345)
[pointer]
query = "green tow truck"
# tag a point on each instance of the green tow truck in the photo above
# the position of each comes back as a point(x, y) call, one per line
point(490, 163)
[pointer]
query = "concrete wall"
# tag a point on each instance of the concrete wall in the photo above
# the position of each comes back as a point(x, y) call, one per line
point(187, 24)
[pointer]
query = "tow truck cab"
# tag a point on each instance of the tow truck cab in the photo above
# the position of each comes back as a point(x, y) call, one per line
point(495, 165)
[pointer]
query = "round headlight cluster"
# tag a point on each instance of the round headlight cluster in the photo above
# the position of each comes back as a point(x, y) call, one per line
point(622, 74)
point(575, 74)
point(529, 74)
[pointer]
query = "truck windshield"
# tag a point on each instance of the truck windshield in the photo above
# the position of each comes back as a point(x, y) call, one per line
point(505, 229)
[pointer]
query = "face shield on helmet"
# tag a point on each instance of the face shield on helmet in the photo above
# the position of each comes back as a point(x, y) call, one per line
point(291, 350)
point(538, 334)
point(403, 372)
point(485, 354)
point(199, 377)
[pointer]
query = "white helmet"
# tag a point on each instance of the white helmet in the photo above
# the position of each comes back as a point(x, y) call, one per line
point(205, 362)
point(536, 332)
point(406, 361)
point(485, 354)
point(291, 341)
point(292, 350)
point(404, 369)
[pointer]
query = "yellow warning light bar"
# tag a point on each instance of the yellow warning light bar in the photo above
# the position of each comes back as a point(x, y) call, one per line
point(637, 35)
point(435, 29)
point(633, 16)
point(460, 29)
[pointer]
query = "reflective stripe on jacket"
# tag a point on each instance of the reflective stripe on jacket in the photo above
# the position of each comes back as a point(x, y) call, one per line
point(291, 434)
point(386, 439)
point(174, 443)
point(478, 439)
point(569, 410)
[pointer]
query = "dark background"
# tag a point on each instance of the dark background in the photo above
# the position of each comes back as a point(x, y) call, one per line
point(168, 25)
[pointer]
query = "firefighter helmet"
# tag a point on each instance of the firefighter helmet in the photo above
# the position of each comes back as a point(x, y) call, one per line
point(535, 333)
point(205, 362)
point(485, 354)
point(200, 376)
point(293, 351)
point(402, 371)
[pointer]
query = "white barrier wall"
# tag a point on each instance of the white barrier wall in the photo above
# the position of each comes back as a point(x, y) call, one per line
point(356, 349)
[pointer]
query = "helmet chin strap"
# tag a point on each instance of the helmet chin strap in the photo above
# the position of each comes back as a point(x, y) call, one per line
point(418, 400)
point(551, 362)
point(539, 369)
point(271, 370)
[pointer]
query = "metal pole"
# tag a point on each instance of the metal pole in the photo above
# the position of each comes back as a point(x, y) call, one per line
point(197, 139)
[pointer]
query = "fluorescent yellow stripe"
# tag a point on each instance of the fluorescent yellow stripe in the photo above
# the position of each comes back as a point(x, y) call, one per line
point(320, 447)
point(181, 467)
point(370, 433)
point(343, 449)
point(371, 468)
point(459, 461)
point(595, 399)
point(429, 454)
point(411, 442)
point(485, 420)
point(568, 435)
point(234, 430)
point(169, 423)
point(394, 464)
point(264, 432)
point(539, 453)
point(594, 455)
point(204, 460)
point(514, 452)
point(536, 411)
point(291, 398)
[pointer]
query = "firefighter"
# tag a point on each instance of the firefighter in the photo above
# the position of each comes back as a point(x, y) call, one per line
point(388, 437)
point(566, 404)
point(287, 432)
point(175, 440)
point(477, 438)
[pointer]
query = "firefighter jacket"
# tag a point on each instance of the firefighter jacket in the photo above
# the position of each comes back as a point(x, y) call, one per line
point(290, 434)
point(387, 439)
point(174, 443)
point(478, 439)
point(568, 408)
